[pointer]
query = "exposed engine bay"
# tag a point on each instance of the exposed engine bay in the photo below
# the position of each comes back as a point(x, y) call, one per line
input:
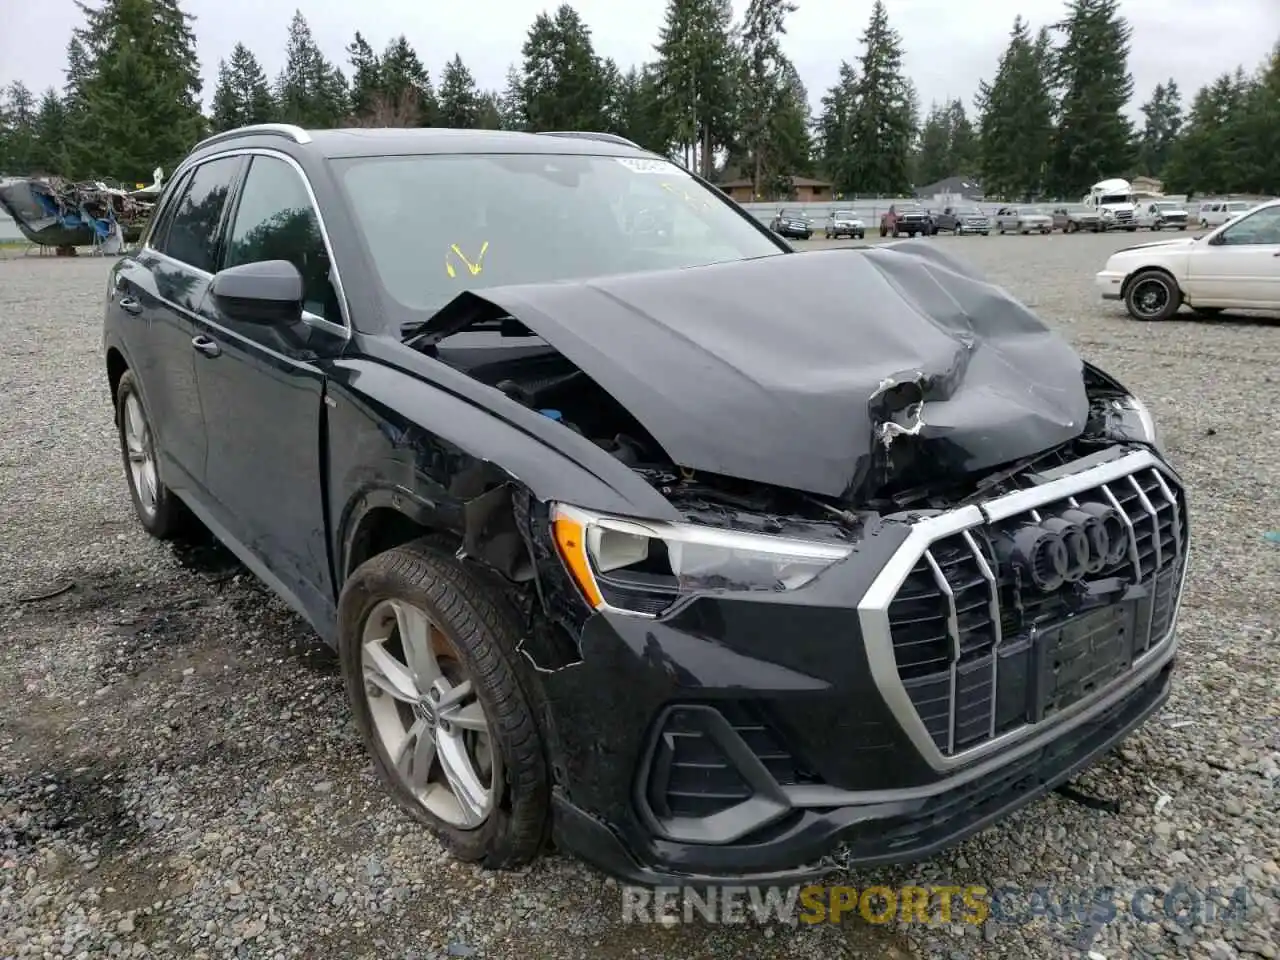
point(911, 475)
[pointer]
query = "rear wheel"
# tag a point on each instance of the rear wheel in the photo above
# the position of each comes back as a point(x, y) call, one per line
point(158, 509)
point(428, 654)
point(1152, 295)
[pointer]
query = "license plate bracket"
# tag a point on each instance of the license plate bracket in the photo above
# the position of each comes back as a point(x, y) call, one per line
point(1076, 657)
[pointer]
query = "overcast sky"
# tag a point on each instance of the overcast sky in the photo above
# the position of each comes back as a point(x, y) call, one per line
point(949, 46)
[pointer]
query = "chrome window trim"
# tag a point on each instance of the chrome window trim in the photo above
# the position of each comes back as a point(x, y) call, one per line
point(344, 328)
point(873, 612)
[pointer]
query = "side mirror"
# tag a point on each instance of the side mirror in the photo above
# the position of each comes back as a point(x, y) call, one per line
point(267, 292)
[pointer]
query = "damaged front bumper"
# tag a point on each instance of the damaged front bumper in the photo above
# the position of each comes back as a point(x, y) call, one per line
point(907, 698)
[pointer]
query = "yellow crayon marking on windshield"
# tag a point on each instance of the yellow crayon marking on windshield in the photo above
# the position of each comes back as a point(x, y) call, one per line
point(689, 199)
point(474, 268)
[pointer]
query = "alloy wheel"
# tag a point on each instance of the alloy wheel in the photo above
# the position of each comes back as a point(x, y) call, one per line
point(1150, 297)
point(426, 714)
point(141, 453)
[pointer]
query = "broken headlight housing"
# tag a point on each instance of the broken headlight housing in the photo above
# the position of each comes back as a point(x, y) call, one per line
point(1129, 419)
point(642, 567)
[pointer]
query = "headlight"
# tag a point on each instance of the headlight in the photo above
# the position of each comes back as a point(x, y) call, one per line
point(641, 567)
point(1128, 418)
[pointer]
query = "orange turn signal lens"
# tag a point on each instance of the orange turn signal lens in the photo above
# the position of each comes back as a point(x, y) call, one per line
point(571, 540)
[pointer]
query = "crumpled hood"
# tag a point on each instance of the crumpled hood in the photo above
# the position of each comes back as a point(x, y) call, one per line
point(782, 369)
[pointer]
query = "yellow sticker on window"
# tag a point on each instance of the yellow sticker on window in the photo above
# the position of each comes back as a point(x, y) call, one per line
point(472, 268)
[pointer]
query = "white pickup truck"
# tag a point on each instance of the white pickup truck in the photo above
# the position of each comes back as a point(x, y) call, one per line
point(1159, 214)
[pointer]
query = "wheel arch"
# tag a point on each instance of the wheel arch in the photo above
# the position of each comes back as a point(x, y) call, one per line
point(1149, 268)
point(117, 366)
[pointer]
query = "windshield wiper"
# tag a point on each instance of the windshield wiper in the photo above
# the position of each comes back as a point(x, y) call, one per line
point(505, 326)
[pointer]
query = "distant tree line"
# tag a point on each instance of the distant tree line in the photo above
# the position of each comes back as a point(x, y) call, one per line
point(719, 95)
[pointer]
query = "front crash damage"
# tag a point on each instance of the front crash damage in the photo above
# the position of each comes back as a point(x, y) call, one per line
point(847, 649)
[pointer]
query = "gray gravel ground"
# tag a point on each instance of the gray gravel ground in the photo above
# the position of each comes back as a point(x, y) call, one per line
point(179, 777)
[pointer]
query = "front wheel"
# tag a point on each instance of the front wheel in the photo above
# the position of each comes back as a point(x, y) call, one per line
point(1152, 295)
point(428, 655)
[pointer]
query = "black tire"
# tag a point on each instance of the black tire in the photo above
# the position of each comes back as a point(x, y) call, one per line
point(1183, 227)
point(169, 518)
point(484, 630)
point(1147, 283)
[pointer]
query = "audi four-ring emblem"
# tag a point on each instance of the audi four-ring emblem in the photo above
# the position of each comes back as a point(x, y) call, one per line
point(1067, 546)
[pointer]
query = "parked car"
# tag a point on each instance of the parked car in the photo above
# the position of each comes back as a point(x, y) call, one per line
point(906, 218)
point(604, 560)
point(843, 223)
point(1217, 212)
point(1159, 214)
point(793, 224)
point(963, 219)
point(1235, 266)
point(1023, 220)
point(1073, 221)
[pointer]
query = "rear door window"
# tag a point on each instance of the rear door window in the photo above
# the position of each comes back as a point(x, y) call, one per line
point(193, 235)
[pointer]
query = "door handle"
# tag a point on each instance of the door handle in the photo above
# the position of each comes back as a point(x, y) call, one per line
point(130, 305)
point(206, 345)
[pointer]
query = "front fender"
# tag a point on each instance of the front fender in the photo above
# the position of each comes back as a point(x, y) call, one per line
point(402, 442)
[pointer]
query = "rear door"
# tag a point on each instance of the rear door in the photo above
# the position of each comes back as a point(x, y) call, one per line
point(164, 285)
point(262, 390)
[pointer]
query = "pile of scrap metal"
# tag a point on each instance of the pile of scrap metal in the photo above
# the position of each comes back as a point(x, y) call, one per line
point(64, 214)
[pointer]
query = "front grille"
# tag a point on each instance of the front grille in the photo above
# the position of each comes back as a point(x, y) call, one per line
point(981, 651)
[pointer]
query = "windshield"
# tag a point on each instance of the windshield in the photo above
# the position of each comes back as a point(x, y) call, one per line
point(1166, 206)
point(440, 224)
point(1115, 198)
point(966, 211)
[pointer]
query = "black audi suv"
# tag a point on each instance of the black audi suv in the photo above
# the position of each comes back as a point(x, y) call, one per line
point(616, 555)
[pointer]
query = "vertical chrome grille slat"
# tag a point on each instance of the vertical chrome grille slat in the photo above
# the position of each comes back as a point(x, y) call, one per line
point(1154, 520)
point(1128, 525)
point(953, 631)
point(993, 605)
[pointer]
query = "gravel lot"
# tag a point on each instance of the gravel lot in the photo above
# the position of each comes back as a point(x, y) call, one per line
point(178, 775)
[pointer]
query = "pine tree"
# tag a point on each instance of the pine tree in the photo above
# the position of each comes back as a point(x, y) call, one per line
point(242, 95)
point(1016, 119)
point(790, 143)
point(133, 89)
point(835, 145)
point(695, 74)
point(934, 160)
point(19, 153)
point(511, 106)
point(1214, 152)
point(50, 150)
point(311, 91)
point(366, 82)
point(460, 102)
point(406, 86)
point(1163, 121)
point(882, 123)
point(563, 85)
point(1094, 137)
point(1258, 130)
point(963, 147)
point(489, 111)
point(763, 26)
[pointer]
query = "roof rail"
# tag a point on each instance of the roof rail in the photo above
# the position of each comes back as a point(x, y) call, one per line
point(592, 135)
point(294, 133)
